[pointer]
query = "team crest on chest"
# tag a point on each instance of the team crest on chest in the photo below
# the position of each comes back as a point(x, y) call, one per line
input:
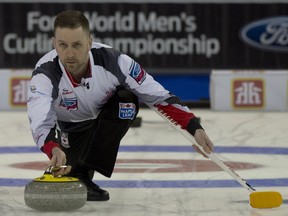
point(68, 100)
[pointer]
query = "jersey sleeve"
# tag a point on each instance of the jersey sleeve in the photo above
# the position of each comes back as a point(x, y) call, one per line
point(41, 113)
point(174, 109)
point(141, 83)
point(154, 94)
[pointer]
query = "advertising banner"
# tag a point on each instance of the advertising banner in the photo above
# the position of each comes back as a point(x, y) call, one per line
point(249, 90)
point(163, 37)
point(14, 87)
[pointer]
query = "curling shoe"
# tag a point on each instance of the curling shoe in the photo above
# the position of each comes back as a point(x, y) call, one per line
point(94, 192)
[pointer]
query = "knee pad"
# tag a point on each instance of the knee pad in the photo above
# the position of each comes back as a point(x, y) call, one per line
point(127, 96)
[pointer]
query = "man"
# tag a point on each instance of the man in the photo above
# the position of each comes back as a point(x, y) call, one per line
point(87, 93)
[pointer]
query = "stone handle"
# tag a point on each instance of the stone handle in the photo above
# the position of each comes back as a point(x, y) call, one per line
point(51, 169)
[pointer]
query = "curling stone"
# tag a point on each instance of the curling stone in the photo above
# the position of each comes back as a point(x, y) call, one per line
point(49, 193)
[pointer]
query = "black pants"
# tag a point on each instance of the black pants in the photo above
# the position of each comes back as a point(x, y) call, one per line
point(96, 146)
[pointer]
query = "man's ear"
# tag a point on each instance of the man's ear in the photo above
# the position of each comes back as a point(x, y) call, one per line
point(90, 42)
point(53, 42)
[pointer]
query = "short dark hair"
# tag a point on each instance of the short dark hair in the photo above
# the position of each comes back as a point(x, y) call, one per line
point(71, 19)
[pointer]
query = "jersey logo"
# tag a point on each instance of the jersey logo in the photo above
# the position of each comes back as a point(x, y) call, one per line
point(64, 140)
point(127, 110)
point(137, 73)
point(69, 100)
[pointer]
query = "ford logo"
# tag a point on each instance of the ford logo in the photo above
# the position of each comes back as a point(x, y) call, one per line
point(268, 34)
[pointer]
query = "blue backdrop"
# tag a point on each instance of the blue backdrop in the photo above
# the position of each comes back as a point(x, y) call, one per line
point(187, 87)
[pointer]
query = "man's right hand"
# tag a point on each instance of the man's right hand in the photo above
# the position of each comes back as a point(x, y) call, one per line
point(58, 159)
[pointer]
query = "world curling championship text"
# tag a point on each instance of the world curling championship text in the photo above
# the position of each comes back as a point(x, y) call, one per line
point(158, 34)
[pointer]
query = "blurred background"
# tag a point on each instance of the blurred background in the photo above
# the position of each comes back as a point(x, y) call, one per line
point(227, 59)
point(217, 54)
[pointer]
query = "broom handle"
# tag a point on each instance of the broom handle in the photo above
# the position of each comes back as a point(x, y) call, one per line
point(212, 156)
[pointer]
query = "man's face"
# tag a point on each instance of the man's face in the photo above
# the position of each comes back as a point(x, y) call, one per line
point(72, 46)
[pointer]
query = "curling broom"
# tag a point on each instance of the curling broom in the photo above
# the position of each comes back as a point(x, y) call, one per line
point(263, 199)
